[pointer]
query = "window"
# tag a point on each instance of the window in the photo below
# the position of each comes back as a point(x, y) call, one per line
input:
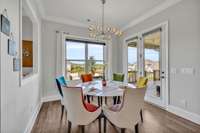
point(132, 61)
point(84, 57)
point(152, 55)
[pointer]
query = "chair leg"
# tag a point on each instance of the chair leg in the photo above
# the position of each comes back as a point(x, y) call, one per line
point(99, 125)
point(99, 101)
point(69, 127)
point(123, 130)
point(82, 129)
point(88, 99)
point(92, 98)
point(62, 111)
point(141, 115)
point(105, 124)
point(114, 100)
point(136, 128)
point(85, 97)
point(106, 100)
point(118, 100)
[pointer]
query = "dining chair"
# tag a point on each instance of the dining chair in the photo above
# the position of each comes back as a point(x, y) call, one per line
point(120, 78)
point(87, 78)
point(60, 81)
point(142, 82)
point(79, 112)
point(128, 114)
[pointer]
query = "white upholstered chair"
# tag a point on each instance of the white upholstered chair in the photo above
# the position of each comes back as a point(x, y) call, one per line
point(79, 112)
point(126, 116)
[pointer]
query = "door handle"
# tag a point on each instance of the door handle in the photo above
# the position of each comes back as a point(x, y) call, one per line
point(162, 77)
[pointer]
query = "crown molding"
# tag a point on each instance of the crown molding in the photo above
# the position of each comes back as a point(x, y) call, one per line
point(30, 11)
point(44, 16)
point(65, 21)
point(151, 13)
point(134, 22)
point(40, 8)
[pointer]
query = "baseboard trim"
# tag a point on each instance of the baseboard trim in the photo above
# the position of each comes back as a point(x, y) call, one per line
point(195, 118)
point(50, 98)
point(154, 101)
point(33, 118)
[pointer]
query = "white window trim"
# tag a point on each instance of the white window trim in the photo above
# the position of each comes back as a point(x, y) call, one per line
point(107, 51)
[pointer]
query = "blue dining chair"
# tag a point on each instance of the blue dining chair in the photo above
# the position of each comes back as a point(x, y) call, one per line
point(60, 81)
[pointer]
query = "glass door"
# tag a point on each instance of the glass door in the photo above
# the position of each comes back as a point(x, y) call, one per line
point(132, 60)
point(152, 61)
point(148, 57)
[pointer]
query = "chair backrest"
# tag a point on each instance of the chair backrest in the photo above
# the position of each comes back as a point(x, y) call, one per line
point(60, 81)
point(118, 77)
point(86, 77)
point(73, 101)
point(132, 104)
point(142, 82)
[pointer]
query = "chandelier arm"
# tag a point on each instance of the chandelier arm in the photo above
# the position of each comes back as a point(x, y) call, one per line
point(103, 3)
point(103, 32)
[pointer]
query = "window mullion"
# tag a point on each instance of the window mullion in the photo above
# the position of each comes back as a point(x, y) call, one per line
point(86, 58)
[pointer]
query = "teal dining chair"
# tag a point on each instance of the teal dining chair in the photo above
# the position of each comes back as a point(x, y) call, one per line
point(60, 81)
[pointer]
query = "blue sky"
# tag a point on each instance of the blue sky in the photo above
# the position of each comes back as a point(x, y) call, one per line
point(77, 51)
point(150, 54)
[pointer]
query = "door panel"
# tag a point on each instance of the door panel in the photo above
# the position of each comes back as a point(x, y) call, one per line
point(133, 61)
point(153, 61)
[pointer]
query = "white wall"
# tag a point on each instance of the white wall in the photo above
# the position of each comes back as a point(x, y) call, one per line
point(49, 52)
point(184, 47)
point(27, 28)
point(18, 103)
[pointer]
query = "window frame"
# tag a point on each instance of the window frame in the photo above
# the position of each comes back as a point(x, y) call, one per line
point(136, 40)
point(86, 60)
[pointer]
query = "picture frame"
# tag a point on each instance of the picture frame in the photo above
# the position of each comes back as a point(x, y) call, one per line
point(5, 25)
point(12, 47)
point(16, 64)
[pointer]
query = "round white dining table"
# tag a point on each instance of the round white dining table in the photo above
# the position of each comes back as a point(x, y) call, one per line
point(113, 88)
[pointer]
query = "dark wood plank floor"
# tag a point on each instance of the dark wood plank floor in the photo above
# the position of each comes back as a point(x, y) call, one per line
point(155, 121)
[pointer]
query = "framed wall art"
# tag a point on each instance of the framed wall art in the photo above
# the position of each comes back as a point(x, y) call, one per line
point(12, 47)
point(5, 25)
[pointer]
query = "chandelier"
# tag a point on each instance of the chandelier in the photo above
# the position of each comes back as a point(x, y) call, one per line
point(103, 32)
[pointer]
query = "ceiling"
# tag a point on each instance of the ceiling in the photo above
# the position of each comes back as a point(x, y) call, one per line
point(119, 13)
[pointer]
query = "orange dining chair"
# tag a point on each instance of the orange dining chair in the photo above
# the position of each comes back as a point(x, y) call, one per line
point(87, 78)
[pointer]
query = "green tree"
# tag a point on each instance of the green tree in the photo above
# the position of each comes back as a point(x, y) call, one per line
point(92, 63)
